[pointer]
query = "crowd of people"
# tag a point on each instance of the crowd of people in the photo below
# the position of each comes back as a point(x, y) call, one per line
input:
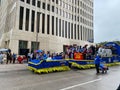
point(7, 57)
point(87, 52)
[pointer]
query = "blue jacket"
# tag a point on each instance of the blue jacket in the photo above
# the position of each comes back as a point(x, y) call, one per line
point(97, 60)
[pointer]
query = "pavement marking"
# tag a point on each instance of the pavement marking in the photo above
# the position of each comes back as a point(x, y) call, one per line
point(70, 87)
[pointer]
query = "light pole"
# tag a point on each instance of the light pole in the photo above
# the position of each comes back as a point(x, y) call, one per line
point(37, 29)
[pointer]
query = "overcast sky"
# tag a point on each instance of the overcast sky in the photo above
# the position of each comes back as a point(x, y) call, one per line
point(106, 20)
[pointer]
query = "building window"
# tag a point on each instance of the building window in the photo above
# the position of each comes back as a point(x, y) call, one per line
point(81, 31)
point(60, 27)
point(78, 32)
point(75, 10)
point(38, 22)
point(56, 1)
point(23, 47)
point(65, 29)
point(43, 23)
point(52, 25)
point(75, 18)
point(71, 30)
point(72, 17)
point(28, 1)
point(38, 4)
point(34, 46)
point(56, 26)
point(56, 10)
point(27, 19)
point(33, 2)
point(32, 21)
point(75, 31)
point(22, 0)
point(21, 17)
point(23, 44)
point(43, 6)
point(52, 8)
point(48, 7)
point(48, 24)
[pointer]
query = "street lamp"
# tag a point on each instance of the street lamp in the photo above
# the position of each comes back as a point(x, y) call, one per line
point(37, 29)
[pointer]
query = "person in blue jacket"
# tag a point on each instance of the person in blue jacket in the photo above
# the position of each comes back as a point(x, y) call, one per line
point(97, 63)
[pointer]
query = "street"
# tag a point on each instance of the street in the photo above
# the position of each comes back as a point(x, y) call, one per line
point(23, 79)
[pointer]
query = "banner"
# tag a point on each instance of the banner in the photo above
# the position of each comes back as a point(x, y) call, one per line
point(78, 56)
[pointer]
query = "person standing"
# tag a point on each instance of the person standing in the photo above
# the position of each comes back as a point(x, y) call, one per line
point(9, 57)
point(28, 57)
point(1, 58)
point(14, 58)
point(97, 63)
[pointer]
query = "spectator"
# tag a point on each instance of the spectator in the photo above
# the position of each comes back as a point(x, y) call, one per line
point(28, 56)
point(20, 59)
point(1, 58)
point(9, 57)
point(85, 51)
point(14, 58)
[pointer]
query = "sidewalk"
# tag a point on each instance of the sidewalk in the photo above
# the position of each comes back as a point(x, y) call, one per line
point(12, 67)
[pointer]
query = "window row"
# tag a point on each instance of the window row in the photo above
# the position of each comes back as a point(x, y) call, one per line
point(38, 2)
point(63, 4)
point(71, 16)
point(86, 15)
point(55, 26)
point(86, 7)
point(86, 22)
point(23, 47)
point(70, 7)
point(89, 2)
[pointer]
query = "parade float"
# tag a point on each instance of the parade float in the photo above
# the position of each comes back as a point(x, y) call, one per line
point(48, 65)
point(110, 56)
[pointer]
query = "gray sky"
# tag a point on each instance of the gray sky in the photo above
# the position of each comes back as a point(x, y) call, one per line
point(106, 20)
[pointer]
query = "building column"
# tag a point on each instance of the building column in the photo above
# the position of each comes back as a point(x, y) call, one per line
point(14, 46)
point(45, 24)
point(29, 46)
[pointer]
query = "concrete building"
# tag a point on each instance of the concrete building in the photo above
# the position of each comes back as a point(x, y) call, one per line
point(45, 24)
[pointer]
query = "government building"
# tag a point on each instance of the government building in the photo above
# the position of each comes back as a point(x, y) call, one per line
point(27, 25)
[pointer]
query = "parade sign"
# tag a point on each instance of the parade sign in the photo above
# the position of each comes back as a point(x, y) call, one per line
point(78, 56)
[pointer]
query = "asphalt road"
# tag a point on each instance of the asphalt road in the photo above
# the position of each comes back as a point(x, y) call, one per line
point(70, 80)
